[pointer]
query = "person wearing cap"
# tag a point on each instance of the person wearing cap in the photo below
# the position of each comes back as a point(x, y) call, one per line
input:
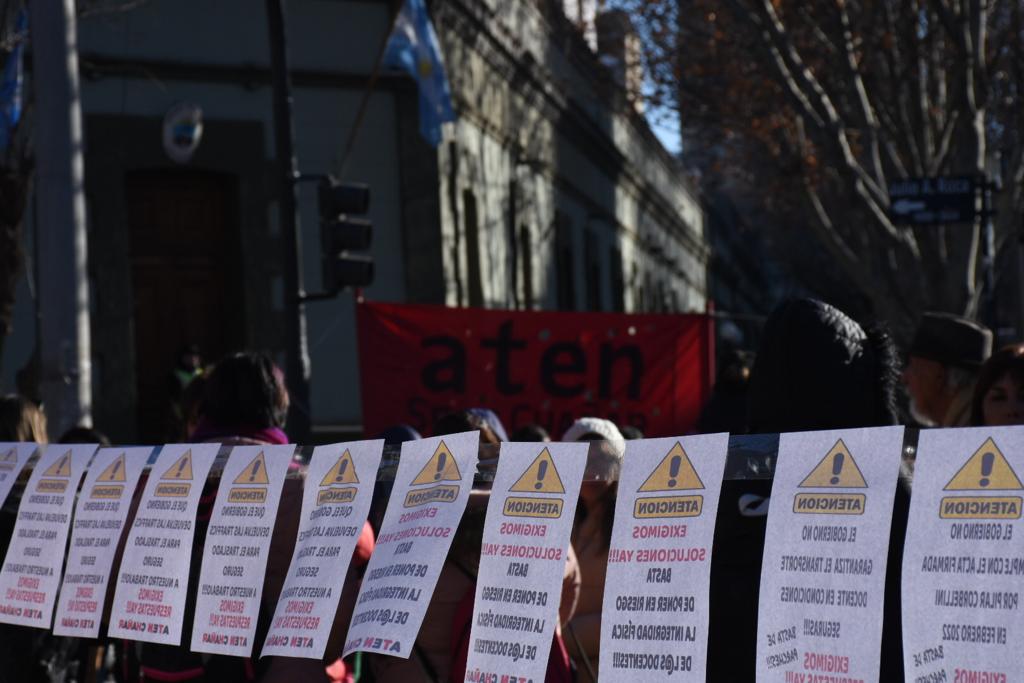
point(942, 367)
point(592, 530)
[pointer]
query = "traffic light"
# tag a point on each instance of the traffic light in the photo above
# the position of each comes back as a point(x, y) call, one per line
point(343, 231)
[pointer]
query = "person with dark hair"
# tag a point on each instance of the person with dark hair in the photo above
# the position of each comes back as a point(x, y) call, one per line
point(188, 365)
point(531, 433)
point(432, 649)
point(630, 433)
point(999, 394)
point(398, 434)
point(942, 366)
point(816, 369)
point(84, 435)
point(491, 419)
point(466, 421)
point(192, 407)
point(726, 409)
point(439, 653)
point(245, 402)
point(28, 654)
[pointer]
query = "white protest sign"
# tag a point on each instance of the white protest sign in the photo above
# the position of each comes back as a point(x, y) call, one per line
point(13, 458)
point(335, 503)
point(963, 560)
point(654, 619)
point(235, 555)
point(31, 572)
point(522, 560)
point(823, 572)
point(431, 490)
point(152, 583)
point(99, 519)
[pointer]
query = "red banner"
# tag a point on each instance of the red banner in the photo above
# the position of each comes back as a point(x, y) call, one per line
point(419, 362)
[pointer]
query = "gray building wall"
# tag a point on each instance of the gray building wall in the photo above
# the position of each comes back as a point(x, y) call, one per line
point(143, 61)
point(547, 142)
point(576, 204)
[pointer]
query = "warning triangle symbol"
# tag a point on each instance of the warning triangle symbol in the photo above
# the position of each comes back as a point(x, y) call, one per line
point(181, 469)
point(986, 470)
point(440, 467)
point(540, 477)
point(255, 472)
point(343, 472)
point(675, 472)
point(8, 460)
point(837, 469)
point(114, 471)
point(61, 468)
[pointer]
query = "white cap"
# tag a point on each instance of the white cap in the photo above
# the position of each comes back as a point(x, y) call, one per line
point(606, 429)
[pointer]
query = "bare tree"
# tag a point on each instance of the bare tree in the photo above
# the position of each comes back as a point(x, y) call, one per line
point(814, 106)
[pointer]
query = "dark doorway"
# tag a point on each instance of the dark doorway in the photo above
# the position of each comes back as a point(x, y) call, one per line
point(186, 276)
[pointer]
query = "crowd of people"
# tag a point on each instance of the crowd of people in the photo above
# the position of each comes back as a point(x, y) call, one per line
point(816, 368)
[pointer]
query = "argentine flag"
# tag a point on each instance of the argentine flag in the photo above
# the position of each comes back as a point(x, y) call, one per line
point(413, 48)
point(11, 83)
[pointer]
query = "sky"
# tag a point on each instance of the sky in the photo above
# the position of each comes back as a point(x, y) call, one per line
point(665, 125)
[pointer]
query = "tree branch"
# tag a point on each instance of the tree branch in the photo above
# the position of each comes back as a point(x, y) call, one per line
point(950, 19)
point(799, 78)
point(867, 111)
point(945, 143)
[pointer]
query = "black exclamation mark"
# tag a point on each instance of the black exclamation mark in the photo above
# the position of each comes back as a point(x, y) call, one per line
point(341, 472)
point(113, 471)
point(673, 470)
point(254, 472)
point(181, 467)
point(837, 467)
point(441, 458)
point(542, 469)
point(987, 461)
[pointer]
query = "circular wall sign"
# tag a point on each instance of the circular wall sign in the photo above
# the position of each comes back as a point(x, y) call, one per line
point(183, 129)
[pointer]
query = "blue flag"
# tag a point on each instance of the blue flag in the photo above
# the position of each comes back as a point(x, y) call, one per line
point(11, 85)
point(413, 47)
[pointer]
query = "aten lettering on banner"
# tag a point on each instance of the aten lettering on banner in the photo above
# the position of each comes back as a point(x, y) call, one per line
point(650, 371)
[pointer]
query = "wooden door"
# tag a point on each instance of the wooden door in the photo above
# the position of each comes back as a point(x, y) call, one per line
point(185, 258)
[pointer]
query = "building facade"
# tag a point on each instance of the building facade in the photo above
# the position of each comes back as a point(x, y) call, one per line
point(549, 192)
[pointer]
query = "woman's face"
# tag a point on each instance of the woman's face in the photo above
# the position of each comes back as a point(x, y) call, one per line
point(1003, 403)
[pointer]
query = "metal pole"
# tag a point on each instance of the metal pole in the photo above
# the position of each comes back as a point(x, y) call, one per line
point(989, 255)
point(357, 123)
point(297, 370)
point(63, 303)
point(1020, 279)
